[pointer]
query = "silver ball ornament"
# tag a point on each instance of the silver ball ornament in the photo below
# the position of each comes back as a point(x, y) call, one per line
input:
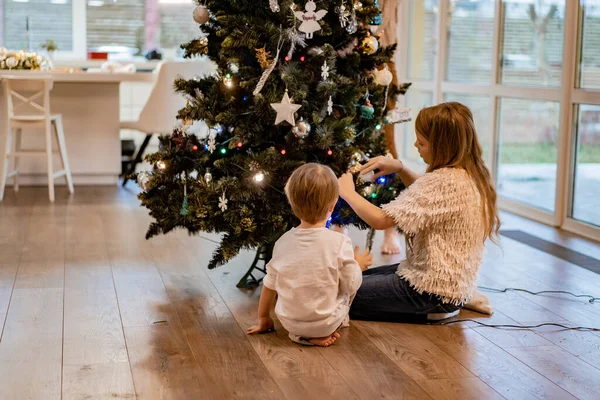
point(201, 15)
point(301, 129)
point(370, 45)
point(208, 177)
point(383, 77)
point(143, 179)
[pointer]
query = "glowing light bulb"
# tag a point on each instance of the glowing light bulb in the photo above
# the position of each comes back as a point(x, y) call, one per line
point(287, 58)
point(329, 152)
point(194, 147)
point(374, 195)
point(302, 58)
point(161, 165)
point(239, 144)
point(378, 126)
point(259, 177)
point(381, 180)
point(223, 150)
point(283, 152)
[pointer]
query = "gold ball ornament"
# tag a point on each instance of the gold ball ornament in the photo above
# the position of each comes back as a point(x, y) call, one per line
point(370, 45)
point(201, 15)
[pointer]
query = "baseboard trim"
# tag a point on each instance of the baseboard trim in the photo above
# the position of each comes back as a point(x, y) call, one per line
point(79, 179)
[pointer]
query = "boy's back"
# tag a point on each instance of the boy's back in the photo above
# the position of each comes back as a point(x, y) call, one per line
point(315, 275)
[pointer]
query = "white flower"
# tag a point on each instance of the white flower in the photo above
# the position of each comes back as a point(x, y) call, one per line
point(12, 62)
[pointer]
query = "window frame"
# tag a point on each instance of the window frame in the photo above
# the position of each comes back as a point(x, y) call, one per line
point(567, 95)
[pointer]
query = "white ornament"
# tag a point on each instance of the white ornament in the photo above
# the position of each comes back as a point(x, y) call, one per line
point(329, 106)
point(274, 5)
point(211, 144)
point(223, 202)
point(11, 62)
point(397, 116)
point(310, 19)
point(325, 71)
point(201, 15)
point(344, 14)
point(383, 77)
point(285, 110)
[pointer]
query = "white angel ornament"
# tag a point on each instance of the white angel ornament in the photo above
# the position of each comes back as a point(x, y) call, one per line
point(310, 19)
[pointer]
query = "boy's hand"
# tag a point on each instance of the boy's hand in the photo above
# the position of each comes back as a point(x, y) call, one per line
point(365, 260)
point(265, 324)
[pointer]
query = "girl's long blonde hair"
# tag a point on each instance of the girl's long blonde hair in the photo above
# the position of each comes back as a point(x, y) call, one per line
point(453, 142)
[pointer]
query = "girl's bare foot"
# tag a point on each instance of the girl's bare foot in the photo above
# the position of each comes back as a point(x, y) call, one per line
point(391, 241)
point(325, 341)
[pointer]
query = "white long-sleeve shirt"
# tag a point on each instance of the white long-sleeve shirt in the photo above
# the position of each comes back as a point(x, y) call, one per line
point(315, 276)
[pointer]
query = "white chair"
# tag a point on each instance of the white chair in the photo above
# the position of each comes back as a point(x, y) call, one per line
point(23, 111)
point(159, 114)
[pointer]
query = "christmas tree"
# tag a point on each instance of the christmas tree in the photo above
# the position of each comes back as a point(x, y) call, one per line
point(297, 82)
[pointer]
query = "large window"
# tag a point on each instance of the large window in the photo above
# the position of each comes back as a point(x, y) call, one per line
point(122, 27)
point(537, 112)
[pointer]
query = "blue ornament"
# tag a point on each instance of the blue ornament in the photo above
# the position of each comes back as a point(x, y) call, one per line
point(377, 20)
point(367, 111)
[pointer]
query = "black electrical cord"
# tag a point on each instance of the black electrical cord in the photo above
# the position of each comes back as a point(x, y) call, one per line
point(508, 326)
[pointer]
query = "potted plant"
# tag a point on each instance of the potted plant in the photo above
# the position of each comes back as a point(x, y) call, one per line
point(50, 46)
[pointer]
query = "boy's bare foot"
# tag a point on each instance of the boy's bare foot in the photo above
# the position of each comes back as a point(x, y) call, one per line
point(391, 241)
point(325, 341)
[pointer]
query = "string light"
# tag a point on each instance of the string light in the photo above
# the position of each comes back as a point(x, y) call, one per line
point(329, 152)
point(245, 98)
point(283, 152)
point(381, 180)
point(219, 129)
point(378, 126)
point(194, 148)
point(287, 58)
point(239, 144)
point(259, 177)
point(205, 147)
point(161, 165)
point(302, 58)
point(223, 150)
point(374, 195)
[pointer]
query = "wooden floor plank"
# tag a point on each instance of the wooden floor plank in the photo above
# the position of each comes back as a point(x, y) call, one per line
point(501, 371)
point(414, 354)
point(31, 346)
point(41, 266)
point(459, 389)
point(584, 345)
point(10, 257)
point(94, 343)
point(567, 371)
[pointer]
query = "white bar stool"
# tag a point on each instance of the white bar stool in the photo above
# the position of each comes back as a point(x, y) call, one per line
point(24, 91)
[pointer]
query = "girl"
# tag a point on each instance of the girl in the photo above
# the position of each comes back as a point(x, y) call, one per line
point(446, 214)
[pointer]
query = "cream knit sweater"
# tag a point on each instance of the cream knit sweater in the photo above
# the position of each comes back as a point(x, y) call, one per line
point(441, 215)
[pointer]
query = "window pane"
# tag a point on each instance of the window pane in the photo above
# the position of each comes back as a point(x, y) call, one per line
point(176, 24)
point(586, 191)
point(119, 23)
point(423, 38)
point(527, 154)
point(532, 42)
point(415, 100)
point(480, 107)
point(41, 27)
point(590, 47)
point(470, 36)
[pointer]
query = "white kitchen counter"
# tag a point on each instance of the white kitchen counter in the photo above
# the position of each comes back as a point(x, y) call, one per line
point(90, 106)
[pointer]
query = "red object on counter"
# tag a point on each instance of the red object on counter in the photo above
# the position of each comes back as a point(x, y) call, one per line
point(97, 55)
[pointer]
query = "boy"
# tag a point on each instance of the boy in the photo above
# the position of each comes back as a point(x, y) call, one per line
point(314, 271)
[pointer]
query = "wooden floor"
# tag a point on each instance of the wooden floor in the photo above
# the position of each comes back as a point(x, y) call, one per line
point(90, 310)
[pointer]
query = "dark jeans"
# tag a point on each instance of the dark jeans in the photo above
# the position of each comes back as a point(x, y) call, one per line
point(385, 296)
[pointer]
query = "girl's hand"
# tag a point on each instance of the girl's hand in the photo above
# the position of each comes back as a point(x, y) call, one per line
point(265, 324)
point(365, 260)
point(346, 185)
point(385, 165)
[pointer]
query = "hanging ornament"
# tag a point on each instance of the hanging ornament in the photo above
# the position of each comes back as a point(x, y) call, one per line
point(329, 106)
point(262, 55)
point(344, 14)
point(161, 165)
point(353, 23)
point(274, 4)
point(310, 19)
point(383, 77)
point(397, 116)
point(325, 71)
point(201, 15)
point(267, 72)
point(301, 129)
point(211, 144)
point(223, 202)
point(185, 207)
point(228, 81)
point(143, 179)
point(367, 111)
point(377, 20)
point(207, 176)
point(370, 44)
point(285, 110)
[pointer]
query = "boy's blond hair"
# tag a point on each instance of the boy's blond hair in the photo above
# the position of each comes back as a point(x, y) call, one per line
point(311, 190)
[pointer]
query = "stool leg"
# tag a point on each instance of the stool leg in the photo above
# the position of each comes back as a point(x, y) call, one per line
point(4, 160)
point(18, 133)
point(60, 136)
point(49, 161)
